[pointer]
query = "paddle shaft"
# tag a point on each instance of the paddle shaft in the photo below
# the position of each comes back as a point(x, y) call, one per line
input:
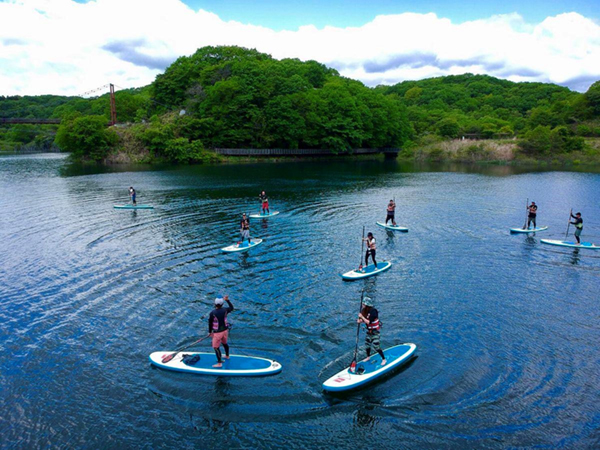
point(362, 246)
point(353, 363)
point(568, 223)
point(168, 358)
point(526, 213)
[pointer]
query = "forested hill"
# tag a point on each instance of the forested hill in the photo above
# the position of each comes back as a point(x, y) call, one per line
point(486, 106)
point(236, 97)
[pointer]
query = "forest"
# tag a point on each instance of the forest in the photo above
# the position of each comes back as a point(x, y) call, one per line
point(234, 97)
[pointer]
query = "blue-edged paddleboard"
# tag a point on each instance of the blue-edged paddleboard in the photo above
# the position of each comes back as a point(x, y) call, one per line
point(527, 230)
point(392, 227)
point(133, 207)
point(571, 244)
point(235, 366)
point(369, 371)
point(261, 215)
point(243, 247)
point(367, 271)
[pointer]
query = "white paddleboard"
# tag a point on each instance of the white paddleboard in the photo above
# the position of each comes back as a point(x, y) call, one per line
point(236, 365)
point(263, 216)
point(572, 244)
point(527, 230)
point(133, 207)
point(392, 227)
point(367, 271)
point(368, 371)
point(243, 247)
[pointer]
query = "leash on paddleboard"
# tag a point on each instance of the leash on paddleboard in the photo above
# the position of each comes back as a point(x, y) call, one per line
point(526, 213)
point(362, 246)
point(568, 223)
point(168, 358)
point(353, 363)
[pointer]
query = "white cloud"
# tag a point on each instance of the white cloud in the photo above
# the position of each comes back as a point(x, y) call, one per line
point(63, 47)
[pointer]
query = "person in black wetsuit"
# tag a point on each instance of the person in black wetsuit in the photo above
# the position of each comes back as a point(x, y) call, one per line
point(391, 211)
point(265, 203)
point(578, 226)
point(132, 195)
point(531, 216)
point(218, 328)
point(370, 317)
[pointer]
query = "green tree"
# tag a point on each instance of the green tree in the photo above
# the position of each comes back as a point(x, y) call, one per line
point(86, 137)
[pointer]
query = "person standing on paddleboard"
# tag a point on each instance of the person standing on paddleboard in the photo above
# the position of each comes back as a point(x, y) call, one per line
point(578, 226)
point(245, 229)
point(218, 328)
point(370, 317)
point(265, 202)
point(132, 195)
point(391, 211)
point(371, 249)
point(532, 209)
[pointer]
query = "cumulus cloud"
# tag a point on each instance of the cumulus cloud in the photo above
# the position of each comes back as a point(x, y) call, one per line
point(64, 47)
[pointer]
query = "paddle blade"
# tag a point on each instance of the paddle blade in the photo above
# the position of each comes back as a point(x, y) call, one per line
point(168, 358)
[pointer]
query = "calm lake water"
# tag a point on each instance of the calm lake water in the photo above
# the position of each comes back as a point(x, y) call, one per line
point(507, 328)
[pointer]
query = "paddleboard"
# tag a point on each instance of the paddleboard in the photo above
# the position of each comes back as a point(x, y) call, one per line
point(392, 227)
point(133, 207)
point(369, 371)
point(571, 244)
point(235, 366)
point(367, 271)
point(243, 247)
point(527, 230)
point(261, 215)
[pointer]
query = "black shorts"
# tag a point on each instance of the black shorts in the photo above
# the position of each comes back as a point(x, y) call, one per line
point(389, 216)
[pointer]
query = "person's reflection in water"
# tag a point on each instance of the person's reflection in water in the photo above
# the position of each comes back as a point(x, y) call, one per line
point(364, 417)
point(575, 257)
point(265, 224)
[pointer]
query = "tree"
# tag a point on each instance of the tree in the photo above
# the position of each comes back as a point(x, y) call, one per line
point(86, 137)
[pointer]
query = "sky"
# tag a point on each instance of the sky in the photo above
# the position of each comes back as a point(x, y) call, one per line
point(68, 47)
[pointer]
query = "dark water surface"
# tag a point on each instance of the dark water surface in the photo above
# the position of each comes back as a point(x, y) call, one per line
point(507, 329)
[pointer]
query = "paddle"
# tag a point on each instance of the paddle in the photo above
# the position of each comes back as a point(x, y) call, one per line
point(168, 358)
point(362, 245)
point(353, 364)
point(569, 223)
point(526, 213)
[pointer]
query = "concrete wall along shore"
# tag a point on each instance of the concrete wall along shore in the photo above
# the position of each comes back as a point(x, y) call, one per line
point(301, 151)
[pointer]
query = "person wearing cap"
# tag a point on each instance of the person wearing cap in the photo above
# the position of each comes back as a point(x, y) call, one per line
point(532, 213)
point(391, 211)
point(245, 229)
point(370, 317)
point(578, 226)
point(218, 328)
point(132, 195)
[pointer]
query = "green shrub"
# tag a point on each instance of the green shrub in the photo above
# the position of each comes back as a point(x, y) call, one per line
point(86, 137)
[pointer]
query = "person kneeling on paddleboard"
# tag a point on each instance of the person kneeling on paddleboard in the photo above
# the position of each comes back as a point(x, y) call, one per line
point(218, 328)
point(265, 202)
point(245, 229)
point(371, 249)
point(532, 215)
point(578, 226)
point(370, 317)
point(132, 195)
point(391, 211)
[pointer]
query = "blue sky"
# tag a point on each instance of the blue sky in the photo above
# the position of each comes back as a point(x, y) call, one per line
point(290, 14)
point(73, 46)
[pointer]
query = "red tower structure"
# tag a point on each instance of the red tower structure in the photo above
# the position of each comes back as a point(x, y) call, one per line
point(113, 106)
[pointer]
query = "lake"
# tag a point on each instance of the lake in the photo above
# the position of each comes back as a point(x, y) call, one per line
point(507, 329)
